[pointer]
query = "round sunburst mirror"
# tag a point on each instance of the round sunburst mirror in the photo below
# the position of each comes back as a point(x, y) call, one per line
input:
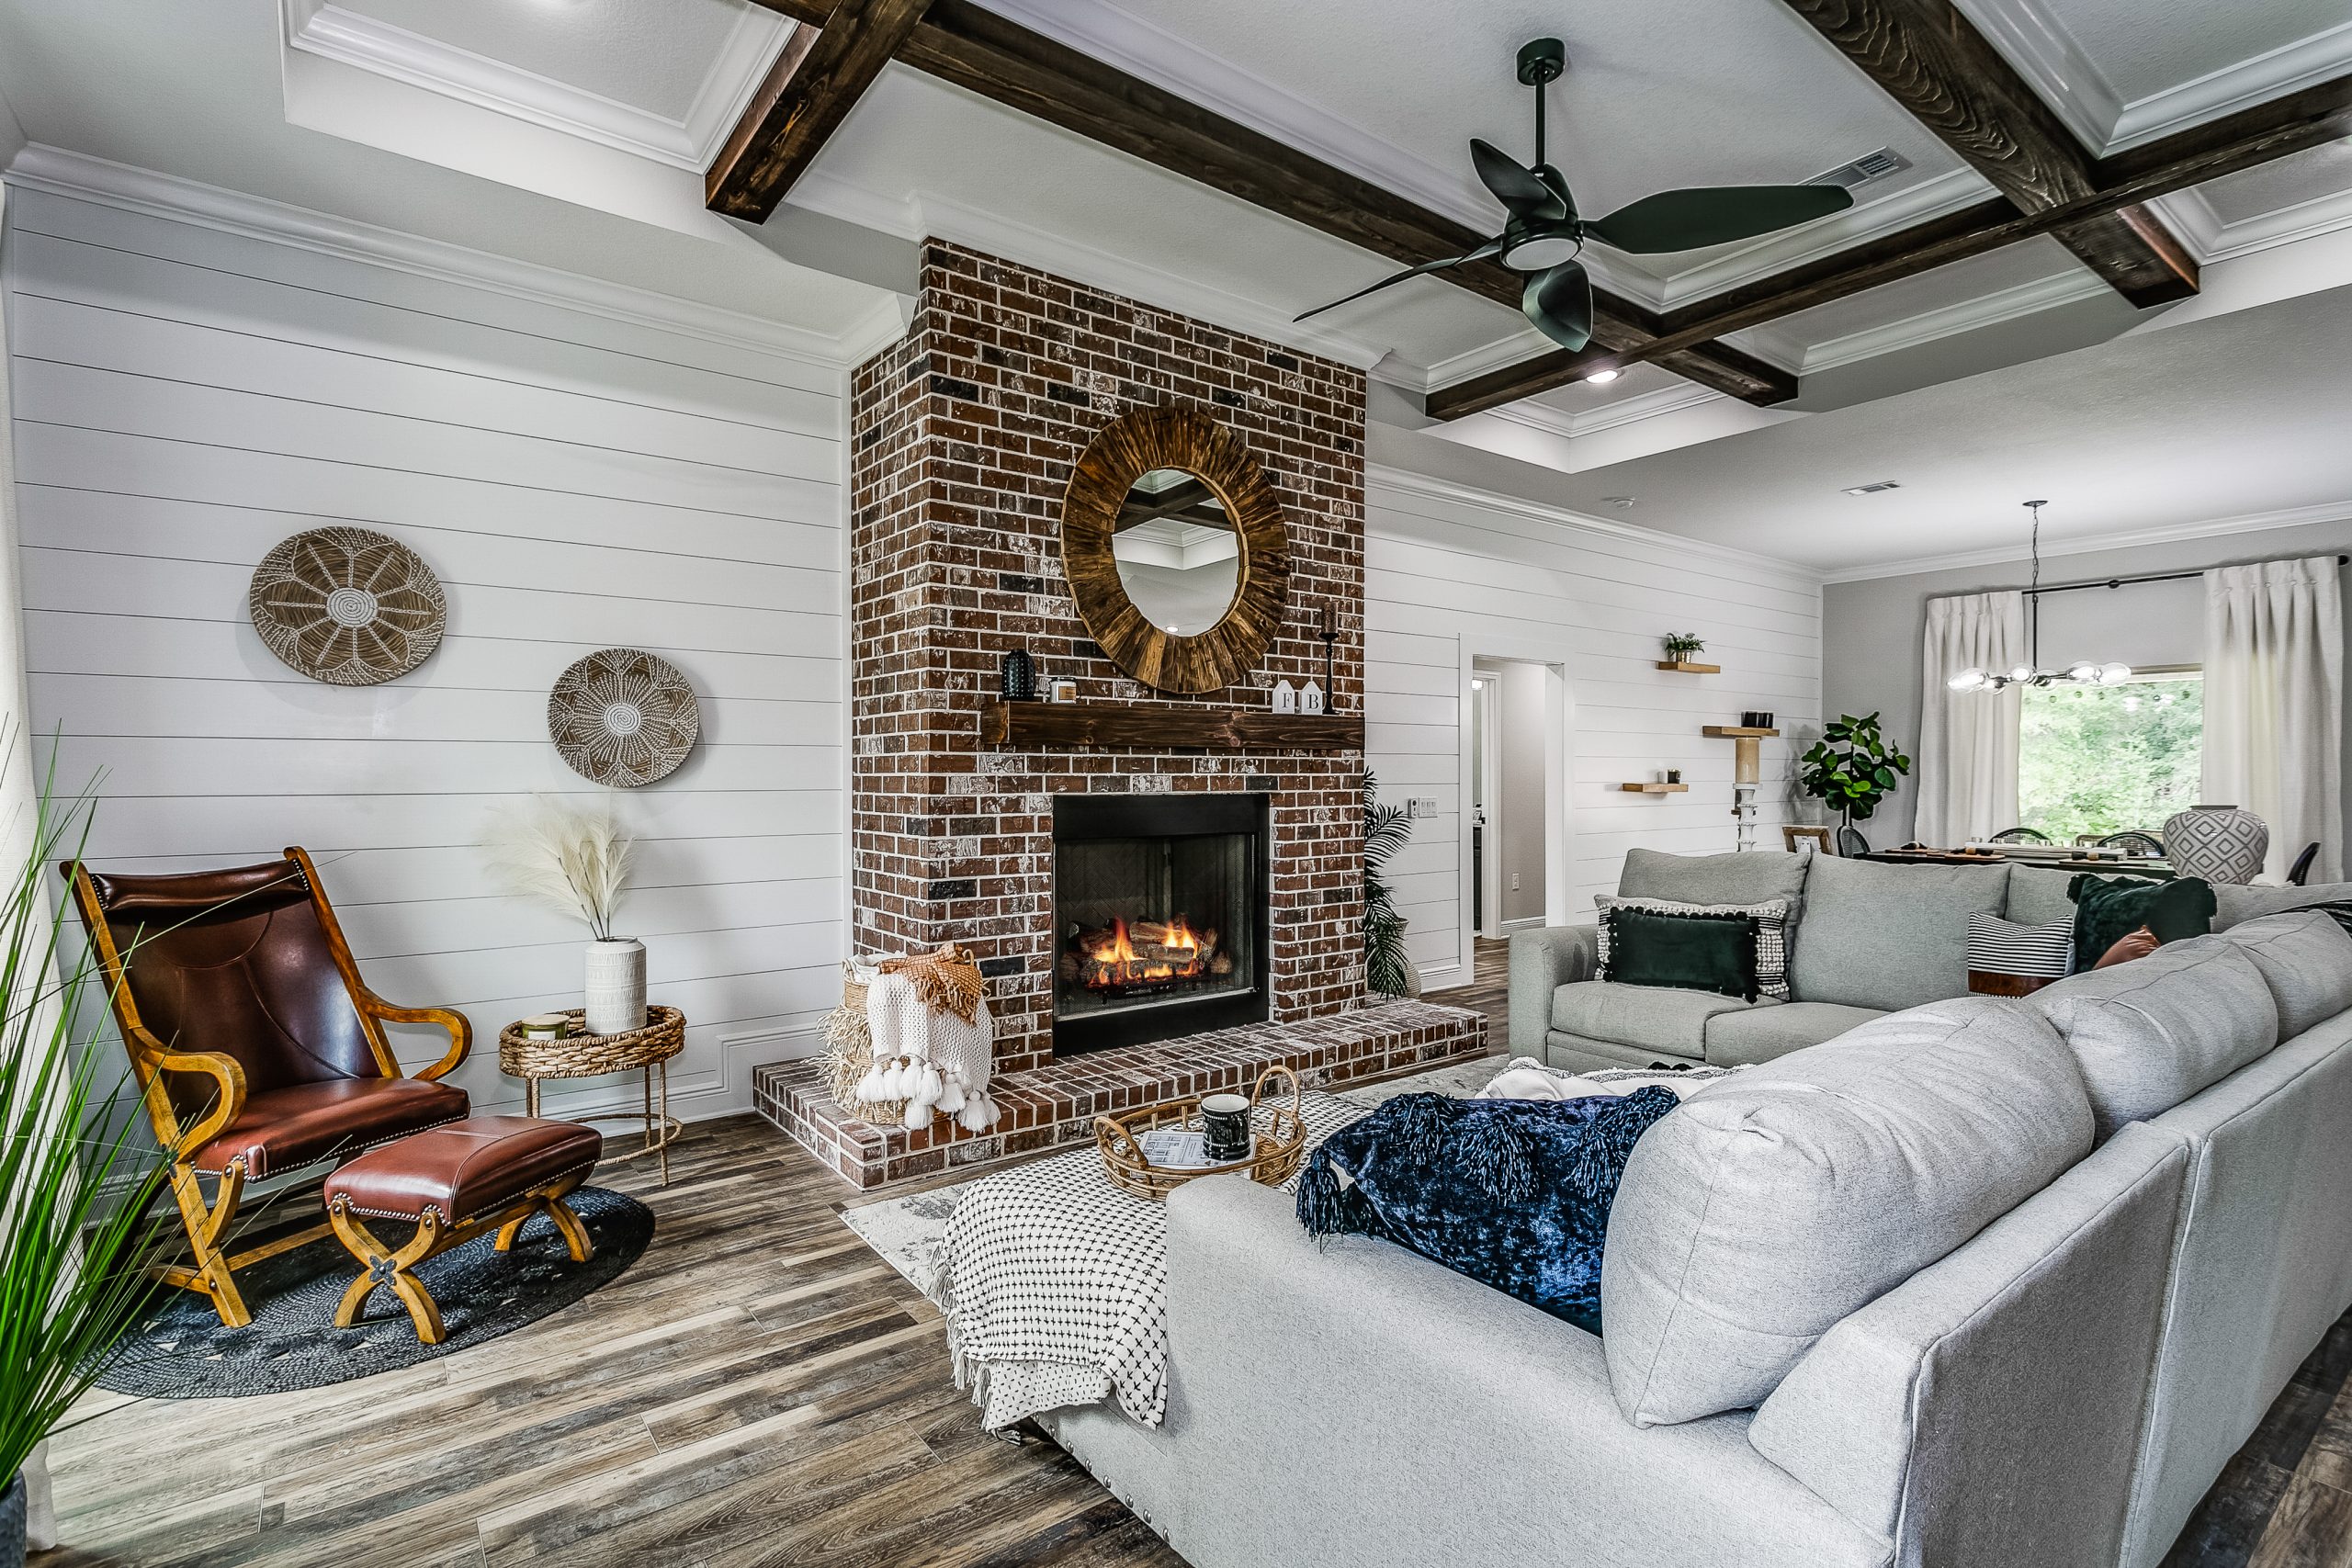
point(1174, 547)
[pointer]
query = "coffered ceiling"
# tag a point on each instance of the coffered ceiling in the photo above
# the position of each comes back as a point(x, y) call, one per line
point(574, 134)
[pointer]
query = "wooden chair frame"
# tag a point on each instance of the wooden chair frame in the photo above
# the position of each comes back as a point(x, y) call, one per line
point(381, 1265)
point(212, 1271)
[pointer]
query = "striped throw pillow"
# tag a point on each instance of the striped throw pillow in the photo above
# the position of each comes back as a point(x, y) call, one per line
point(2006, 959)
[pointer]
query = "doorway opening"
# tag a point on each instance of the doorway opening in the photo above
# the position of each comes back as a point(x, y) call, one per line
point(1518, 795)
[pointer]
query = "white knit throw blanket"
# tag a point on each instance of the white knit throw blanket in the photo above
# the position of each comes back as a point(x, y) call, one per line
point(926, 1057)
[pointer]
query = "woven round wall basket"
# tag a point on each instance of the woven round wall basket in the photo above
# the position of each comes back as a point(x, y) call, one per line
point(623, 718)
point(347, 606)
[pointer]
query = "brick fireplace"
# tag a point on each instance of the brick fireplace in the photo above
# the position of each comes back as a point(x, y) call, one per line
point(964, 437)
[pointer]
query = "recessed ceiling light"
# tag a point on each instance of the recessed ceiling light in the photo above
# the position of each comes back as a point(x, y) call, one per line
point(1873, 489)
point(1620, 502)
point(1602, 377)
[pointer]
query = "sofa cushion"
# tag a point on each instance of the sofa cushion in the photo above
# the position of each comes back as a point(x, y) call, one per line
point(1649, 1017)
point(2306, 959)
point(1756, 877)
point(2151, 1032)
point(2234, 905)
point(1889, 936)
point(1760, 1035)
point(2038, 896)
point(1770, 1205)
point(1759, 955)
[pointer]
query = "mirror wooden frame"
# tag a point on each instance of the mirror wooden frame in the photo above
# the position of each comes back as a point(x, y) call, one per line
point(1175, 436)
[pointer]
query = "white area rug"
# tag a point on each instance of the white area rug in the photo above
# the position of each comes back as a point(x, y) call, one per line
point(905, 1231)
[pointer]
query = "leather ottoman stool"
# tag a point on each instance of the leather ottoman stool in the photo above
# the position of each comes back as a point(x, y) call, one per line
point(454, 1182)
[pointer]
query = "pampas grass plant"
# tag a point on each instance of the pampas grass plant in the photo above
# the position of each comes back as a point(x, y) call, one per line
point(570, 859)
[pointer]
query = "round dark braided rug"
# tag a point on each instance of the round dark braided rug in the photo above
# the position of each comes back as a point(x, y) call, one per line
point(180, 1351)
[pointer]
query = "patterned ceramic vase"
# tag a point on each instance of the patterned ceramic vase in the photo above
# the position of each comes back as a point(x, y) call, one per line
point(616, 986)
point(2220, 843)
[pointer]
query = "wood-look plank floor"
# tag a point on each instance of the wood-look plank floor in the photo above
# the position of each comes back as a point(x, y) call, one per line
point(760, 1389)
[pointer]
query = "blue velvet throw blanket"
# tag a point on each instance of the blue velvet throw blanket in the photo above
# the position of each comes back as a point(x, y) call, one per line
point(1515, 1193)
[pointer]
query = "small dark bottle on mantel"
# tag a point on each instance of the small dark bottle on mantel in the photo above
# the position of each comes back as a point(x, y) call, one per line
point(1017, 676)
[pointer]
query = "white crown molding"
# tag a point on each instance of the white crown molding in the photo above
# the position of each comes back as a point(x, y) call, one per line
point(2053, 64)
point(1945, 321)
point(63, 173)
point(2093, 544)
point(921, 215)
point(2305, 221)
point(349, 38)
point(1408, 481)
point(2249, 81)
point(1508, 349)
point(1609, 416)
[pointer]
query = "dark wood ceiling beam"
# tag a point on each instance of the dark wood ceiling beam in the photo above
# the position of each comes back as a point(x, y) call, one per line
point(999, 60)
point(826, 66)
point(1932, 61)
point(2245, 139)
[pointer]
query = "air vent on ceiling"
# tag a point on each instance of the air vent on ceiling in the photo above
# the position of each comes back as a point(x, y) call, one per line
point(1873, 489)
point(1870, 166)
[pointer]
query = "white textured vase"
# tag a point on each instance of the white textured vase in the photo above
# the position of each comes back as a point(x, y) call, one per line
point(616, 986)
point(2220, 843)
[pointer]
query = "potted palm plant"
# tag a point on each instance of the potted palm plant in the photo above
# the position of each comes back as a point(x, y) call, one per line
point(75, 1232)
point(1386, 830)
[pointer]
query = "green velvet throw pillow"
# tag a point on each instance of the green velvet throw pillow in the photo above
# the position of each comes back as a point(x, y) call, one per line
point(2106, 907)
point(1687, 951)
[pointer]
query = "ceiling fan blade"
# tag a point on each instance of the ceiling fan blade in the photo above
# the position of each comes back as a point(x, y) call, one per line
point(1713, 215)
point(1489, 248)
point(1515, 185)
point(1559, 301)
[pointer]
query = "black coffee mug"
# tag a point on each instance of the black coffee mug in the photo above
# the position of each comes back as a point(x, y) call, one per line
point(1225, 1123)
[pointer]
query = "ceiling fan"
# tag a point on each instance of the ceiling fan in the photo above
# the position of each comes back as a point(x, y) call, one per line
point(1543, 234)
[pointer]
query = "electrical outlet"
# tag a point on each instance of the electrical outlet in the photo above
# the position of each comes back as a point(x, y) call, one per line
point(1420, 805)
point(1514, 882)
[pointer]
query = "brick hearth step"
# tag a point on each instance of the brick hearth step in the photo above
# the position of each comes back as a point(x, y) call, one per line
point(1057, 1103)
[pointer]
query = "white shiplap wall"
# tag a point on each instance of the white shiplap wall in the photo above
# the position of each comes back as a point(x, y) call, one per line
point(1453, 572)
point(186, 397)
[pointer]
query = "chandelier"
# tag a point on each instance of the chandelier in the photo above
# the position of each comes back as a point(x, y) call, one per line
point(2031, 673)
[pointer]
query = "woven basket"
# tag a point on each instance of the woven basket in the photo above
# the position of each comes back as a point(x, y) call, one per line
point(585, 1055)
point(1279, 1148)
point(849, 1051)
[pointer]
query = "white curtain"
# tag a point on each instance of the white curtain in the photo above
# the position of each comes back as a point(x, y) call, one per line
point(2274, 704)
point(1968, 740)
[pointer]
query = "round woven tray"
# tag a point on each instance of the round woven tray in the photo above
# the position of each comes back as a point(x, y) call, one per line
point(1276, 1150)
point(588, 1056)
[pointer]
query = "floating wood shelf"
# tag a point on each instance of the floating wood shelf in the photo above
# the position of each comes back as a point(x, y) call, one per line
point(1014, 726)
point(1653, 788)
point(1687, 668)
point(1739, 732)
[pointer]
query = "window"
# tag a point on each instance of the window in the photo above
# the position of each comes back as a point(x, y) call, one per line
point(2099, 759)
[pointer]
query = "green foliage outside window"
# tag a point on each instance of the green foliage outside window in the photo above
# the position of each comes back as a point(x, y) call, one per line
point(2104, 759)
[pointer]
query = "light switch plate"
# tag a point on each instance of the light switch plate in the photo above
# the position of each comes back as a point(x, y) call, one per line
point(1420, 805)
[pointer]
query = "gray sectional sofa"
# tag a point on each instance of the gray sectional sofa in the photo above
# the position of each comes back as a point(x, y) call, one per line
point(1988, 1283)
point(1868, 939)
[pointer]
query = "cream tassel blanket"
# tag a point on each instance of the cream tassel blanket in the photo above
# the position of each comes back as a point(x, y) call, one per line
point(932, 1039)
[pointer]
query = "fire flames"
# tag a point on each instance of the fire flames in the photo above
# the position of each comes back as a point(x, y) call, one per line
point(1146, 952)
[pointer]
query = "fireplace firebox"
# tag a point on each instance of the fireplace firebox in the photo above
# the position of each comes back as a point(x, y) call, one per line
point(1160, 917)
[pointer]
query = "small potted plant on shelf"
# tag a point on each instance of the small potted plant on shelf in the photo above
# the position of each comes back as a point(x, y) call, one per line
point(1681, 647)
point(1851, 769)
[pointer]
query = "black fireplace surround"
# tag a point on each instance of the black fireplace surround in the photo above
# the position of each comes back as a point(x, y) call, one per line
point(1160, 917)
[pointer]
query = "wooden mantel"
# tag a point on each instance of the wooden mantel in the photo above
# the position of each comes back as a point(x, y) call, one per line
point(1032, 726)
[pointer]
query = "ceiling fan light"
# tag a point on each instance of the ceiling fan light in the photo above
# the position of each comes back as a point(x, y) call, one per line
point(1539, 252)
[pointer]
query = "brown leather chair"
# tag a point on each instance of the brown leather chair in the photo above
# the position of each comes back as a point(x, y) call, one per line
point(256, 1045)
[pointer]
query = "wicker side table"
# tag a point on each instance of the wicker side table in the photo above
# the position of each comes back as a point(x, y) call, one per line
point(585, 1055)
